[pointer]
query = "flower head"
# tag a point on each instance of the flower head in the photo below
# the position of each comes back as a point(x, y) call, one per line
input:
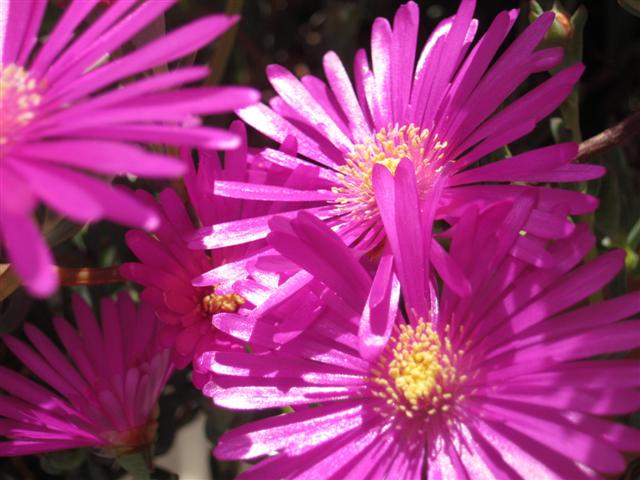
point(500, 383)
point(188, 287)
point(101, 394)
point(62, 124)
point(439, 112)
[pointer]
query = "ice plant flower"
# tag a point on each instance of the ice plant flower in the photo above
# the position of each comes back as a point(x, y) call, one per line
point(168, 267)
point(102, 393)
point(440, 112)
point(500, 383)
point(71, 113)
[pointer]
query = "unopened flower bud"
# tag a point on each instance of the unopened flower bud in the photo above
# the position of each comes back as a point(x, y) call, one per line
point(561, 30)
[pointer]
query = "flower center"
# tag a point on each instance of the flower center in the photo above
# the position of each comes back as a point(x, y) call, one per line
point(214, 303)
point(417, 373)
point(133, 440)
point(355, 194)
point(20, 96)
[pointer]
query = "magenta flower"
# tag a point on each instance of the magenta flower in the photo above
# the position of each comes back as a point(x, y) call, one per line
point(61, 125)
point(441, 113)
point(168, 267)
point(496, 384)
point(101, 394)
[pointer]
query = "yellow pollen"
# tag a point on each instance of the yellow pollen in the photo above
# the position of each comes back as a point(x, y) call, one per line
point(418, 373)
point(228, 303)
point(20, 96)
point(355, 194)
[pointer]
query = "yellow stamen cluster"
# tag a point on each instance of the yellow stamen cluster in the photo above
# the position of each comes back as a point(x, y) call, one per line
point(228, 303)
point(388, 147)
point(20, 95)
point(417, 373)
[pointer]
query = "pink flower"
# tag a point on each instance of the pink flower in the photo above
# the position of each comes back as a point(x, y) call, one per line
point(188, 287)
point(500, 383)
point(62, 124)
point(440, 113)
point(101, 394)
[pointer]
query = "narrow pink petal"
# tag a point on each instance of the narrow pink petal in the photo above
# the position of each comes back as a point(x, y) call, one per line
point(28, 253)
point(558, 434)
point(320, 251)
point(204, 137)
point(298, 97)
point(403, 52)
point(272, 125)
point(291, 162)
point(381, 38)
point(151, 252)
point(118, 203)
point(240, 231)
point(427, 62)
point(593, 374)
point(173, 78)
point(449, 270)
point(105, 35)
point(27, 390)
point(29, 447)
point(527, 455)
point(293, 430)
point(477, 62)
point(532, 251)
point(573, 287)
point(38, 365)
point(55, 358)
point(69, 198)
point(397, 200)
point(456, 42)
point(380, 311)
point(61, 35)
point(23, 23)
point(366, 90)
point(15, 194)
point(519, 166)
point(599, 402)
point(301, 371)
point(104, 157)
point(343, 90)
point(280, 394)
point(249, 191)
point(172, 46)
point(325, 97)
point(549, 95)
point(112, 331)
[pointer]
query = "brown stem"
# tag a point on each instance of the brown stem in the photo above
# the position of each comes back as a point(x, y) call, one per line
point(89, 276)
point(624, 131)
point(69, 277)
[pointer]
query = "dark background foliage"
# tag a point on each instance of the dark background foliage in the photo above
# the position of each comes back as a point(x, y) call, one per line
point(296, 34)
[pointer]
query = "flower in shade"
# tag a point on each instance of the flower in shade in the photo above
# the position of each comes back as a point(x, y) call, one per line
point(102, 393)
point(442, 113)
point(62, 124)
point(177, 279)
point(500, 383)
